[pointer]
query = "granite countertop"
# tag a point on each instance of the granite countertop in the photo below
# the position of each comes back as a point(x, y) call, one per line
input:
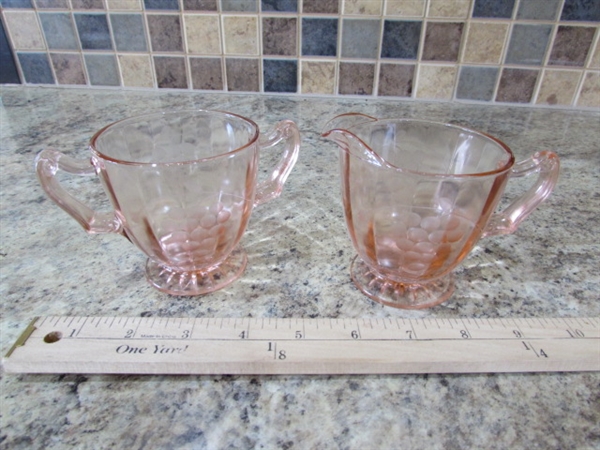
point(299, 256)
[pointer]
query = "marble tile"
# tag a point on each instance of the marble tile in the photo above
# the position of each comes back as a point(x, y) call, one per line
point(401, 39)
point(136, 70)
point(319, 37)
point(280, 75)
point(280, 36)
point(476, 83)
point(8, 67)
point(242, 74)
point(516, 85)
point(279, 5)
point(93, 31)
point(162, 4)
point(102, 69)
point(206, 73)
point(360, 38)
point(528, 44)
point(59, 31)
point(558, 87)
point(36, 68)
point(589, 96)
point(170, 72)
point(16, 4)
point(87, 4)
point(52, 4)
point(581, 10)
point(200, 5)
point(203, 34)
point(538, 9)
point(458, 9)
point(595, 58)
point(318, 77)
point(405, 8)
point(239, 5)
point(498, 9)
point(485, 42)
point(241, 35)
point(363, 7)
point(68, 68)
point(24, 30)
point(165, 32)
point(356, 78)
point(125, 5)
point(320, 6)
point(571, 45)
point(442, 41)
point(128, 32)
point(436, 82)
point(396, 80)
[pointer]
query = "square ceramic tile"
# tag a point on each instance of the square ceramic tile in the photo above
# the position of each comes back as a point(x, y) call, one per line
point(165, 32)
point(203, 34)
point(87, 4)
point(128, 32)
point(458, 9)
point(136, 71)
point(516, 85)
point(102, 69)
point(52, 4)
point(319, 37)
point(125, 5)
point(93, 31)
point(528, 44)
point(161, 4)
point(320, 6)
point(538, 9)
point(595, 58)
point(558, 87)
point(363, 7)
point(241, 35)
point(8, 66)
point(589, 96)
point(239, 5)
point(476, 83)
point(571, 45)
point(170, 72)
point(36, 68)
point(207, 73)
point(485, 42)
point(396, 80)
point(17, 4)
point(405, 8)
point(24, 30)
point(279, 5)
point(442, 41)
point(280, 75)
point(356, 78)
point(360, 38)
point(68, 68)
point(318, 77)
point(581, 10)
point(401, 39)
point(435, 82)
point(59, 31)
point(242, 74)
point(498, 9)
point(279, 36)
point(200, 5)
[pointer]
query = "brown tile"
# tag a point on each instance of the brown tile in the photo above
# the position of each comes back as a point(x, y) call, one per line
point(517, 85)
point(363, 7)
point(242, 74)
point(68, 68)
point(571, 45)
point(558, 87)
point(442, 41)
point(206, 73)
point(165, 32)
point(405, 8)
point(396, 79)
point(279, 36)
point(170, 72)
point(320, 6)
point(356, 78)
point(318, 77)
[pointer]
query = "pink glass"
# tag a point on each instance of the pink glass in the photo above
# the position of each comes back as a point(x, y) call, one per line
point(182, 185)
point(418, 196)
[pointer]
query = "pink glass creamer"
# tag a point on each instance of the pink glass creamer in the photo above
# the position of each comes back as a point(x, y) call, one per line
point(418, 196)
point(182, 185)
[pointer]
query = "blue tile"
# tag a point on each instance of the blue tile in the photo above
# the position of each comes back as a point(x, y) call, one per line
point(102, 70)
point(36, 68)
point(498, 9)
point(528, 44)
point(8, 68)
point(280, 75)
point(319, 37)
point(401, 39)
point(93, 31)
point(59, 31)
point(280, 5)
point(581, 10)
point(162, 4)
point(128, 31)
point(477, 83)
point(239, 5)
point(360, 38)
point(538, 9)
point(16, 4)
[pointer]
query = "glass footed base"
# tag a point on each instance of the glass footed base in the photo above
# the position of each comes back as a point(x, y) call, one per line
point(197, 283)
point(400, 295)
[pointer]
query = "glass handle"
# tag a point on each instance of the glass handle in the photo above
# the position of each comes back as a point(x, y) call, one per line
point(547, 166)
point(287, 132)
point(47, 164)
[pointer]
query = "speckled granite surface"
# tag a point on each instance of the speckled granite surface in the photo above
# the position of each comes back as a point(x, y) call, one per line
point(299, 257)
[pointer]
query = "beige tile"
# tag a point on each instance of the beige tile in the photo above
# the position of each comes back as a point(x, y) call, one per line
point(595, 61)
point(203, 34)
point(436, 82)
point(485, 42)
point(449, 8)
point(241, 35)
point(124, 4)
point(318, 77)
point(590, 91)
point(136, 70)
point(558, 87)
point(24, 30)
point(364, 7)
point(405, 8)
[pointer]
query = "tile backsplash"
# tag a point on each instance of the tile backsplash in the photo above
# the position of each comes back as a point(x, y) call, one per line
point(539, 52)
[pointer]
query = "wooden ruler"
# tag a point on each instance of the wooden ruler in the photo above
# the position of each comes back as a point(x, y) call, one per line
point(156, 345)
